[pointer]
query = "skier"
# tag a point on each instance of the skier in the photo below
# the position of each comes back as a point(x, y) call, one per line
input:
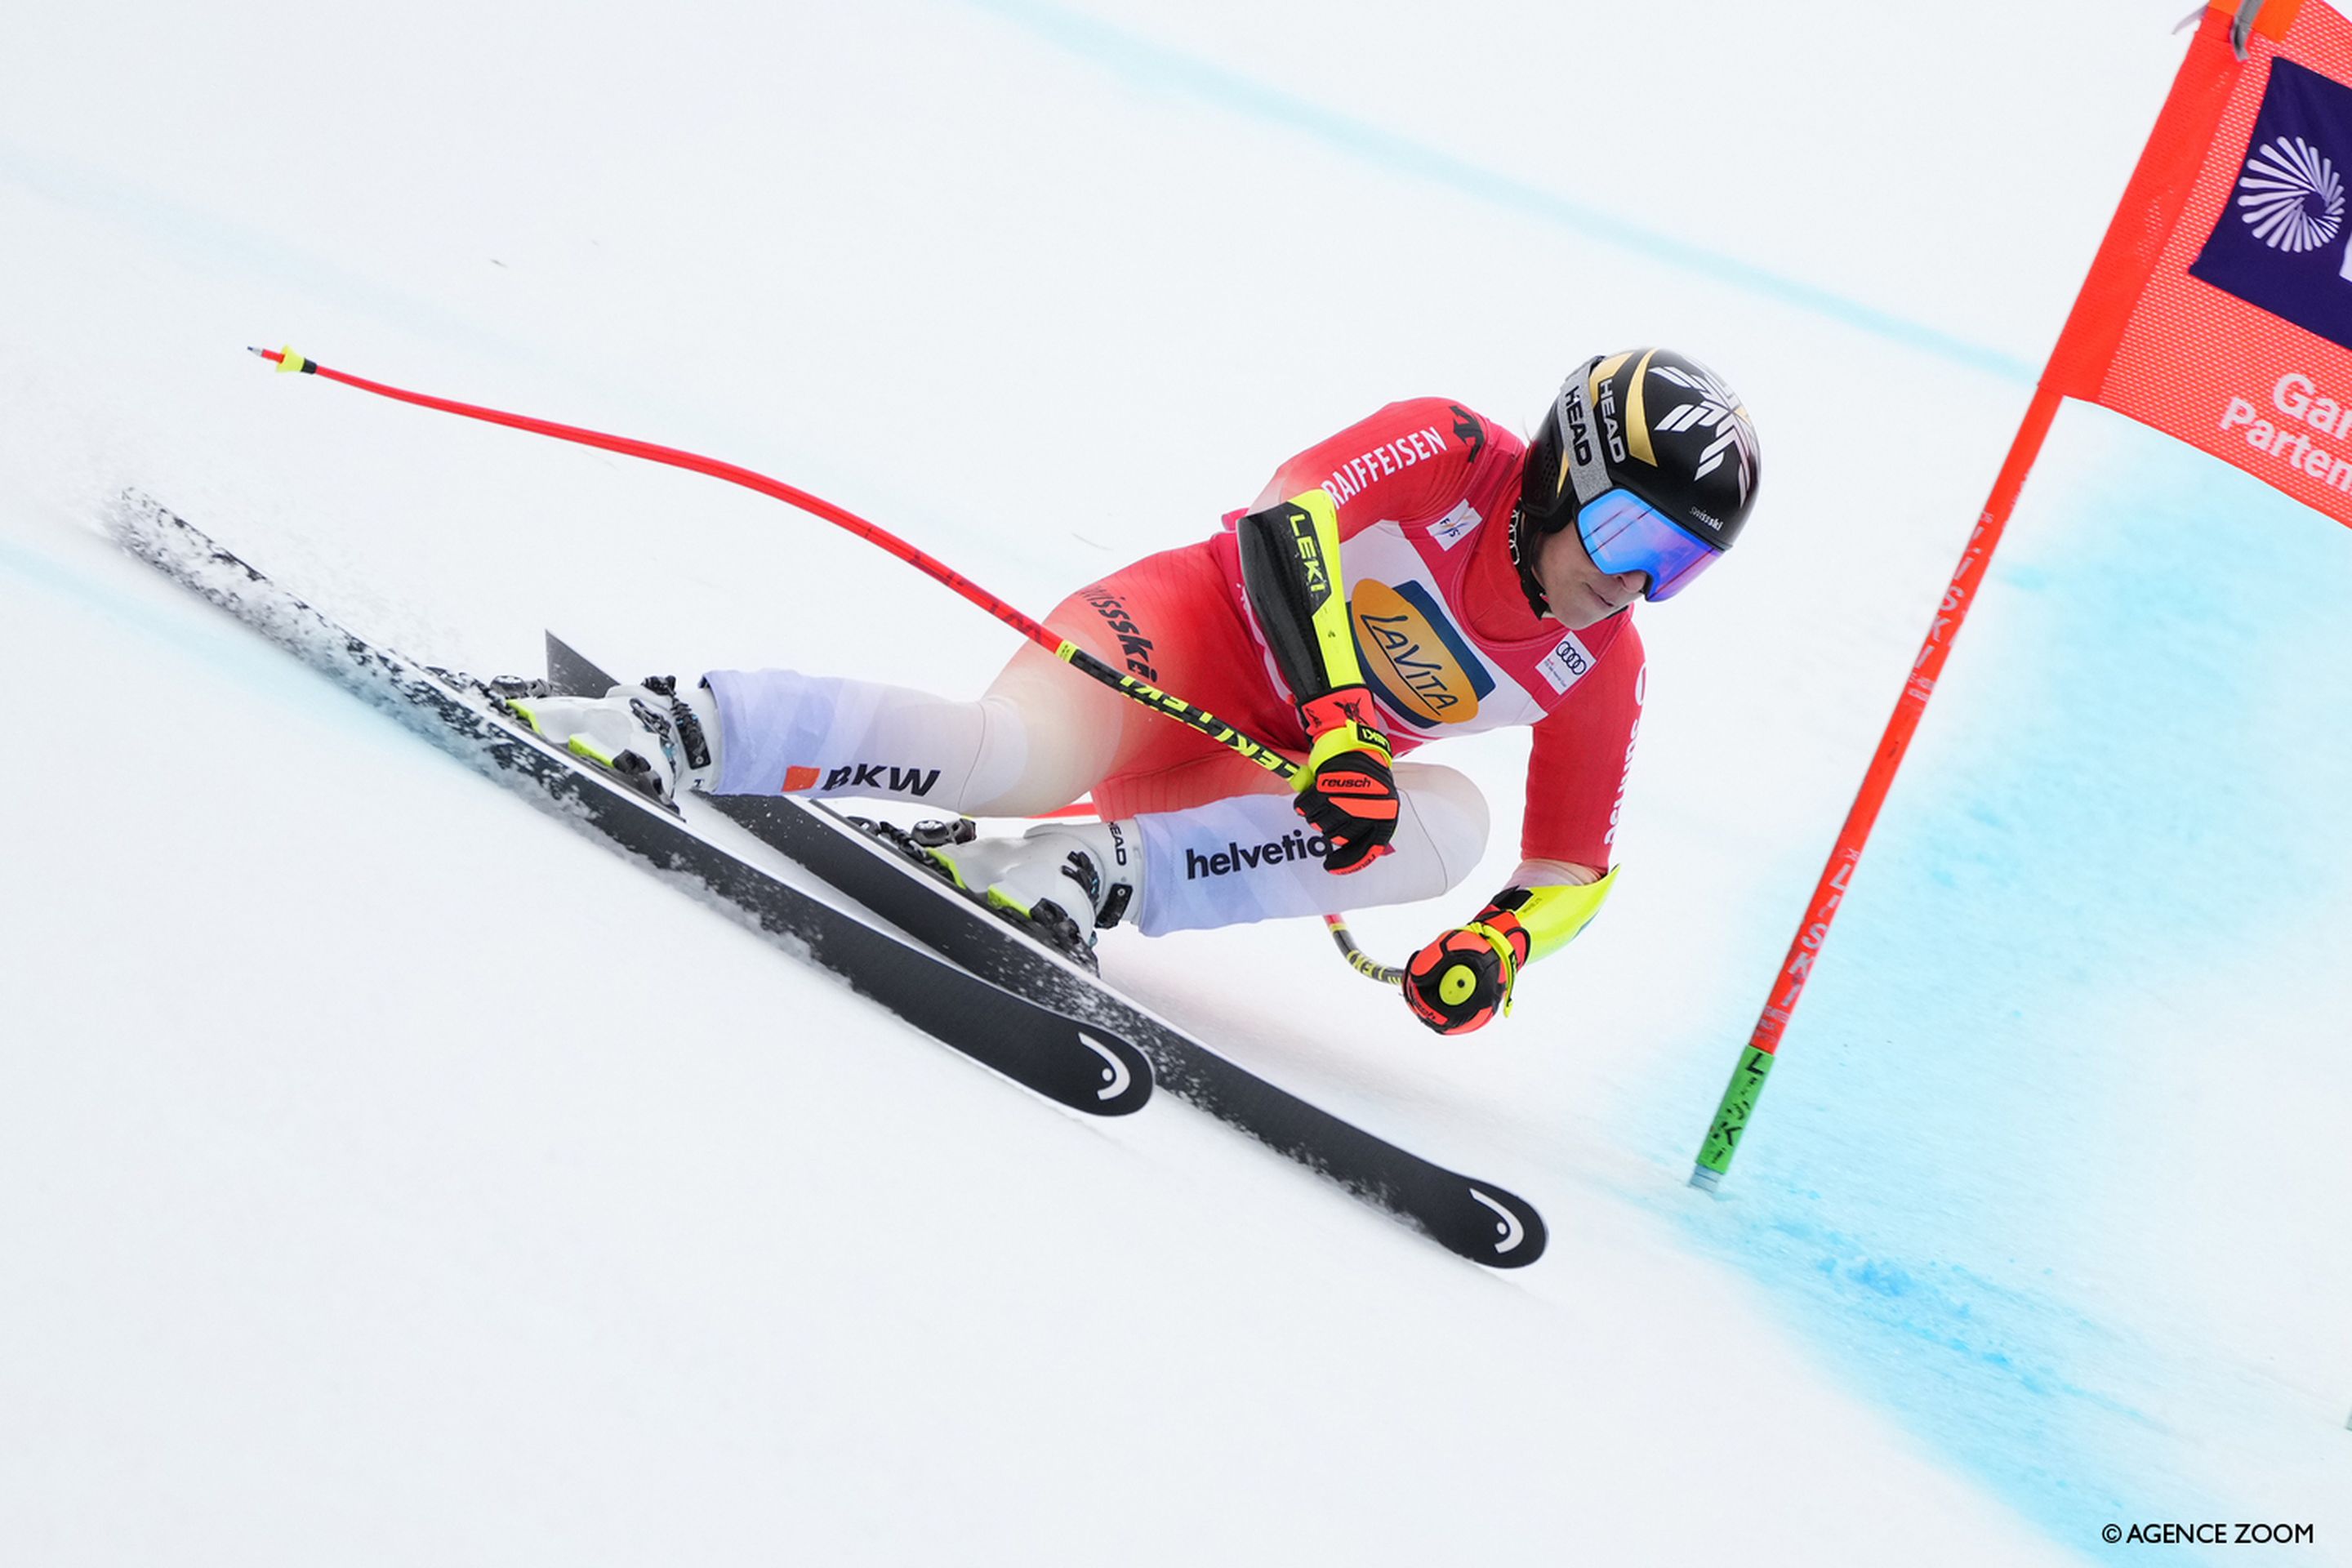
point(1467, 602)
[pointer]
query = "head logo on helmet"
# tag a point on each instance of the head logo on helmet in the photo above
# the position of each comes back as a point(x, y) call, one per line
point(1674, 470)
point(1580, 439)
point(1602, 384)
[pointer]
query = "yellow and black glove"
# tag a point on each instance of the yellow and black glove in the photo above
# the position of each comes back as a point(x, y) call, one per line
point(1345, 788)
point(1459, 982)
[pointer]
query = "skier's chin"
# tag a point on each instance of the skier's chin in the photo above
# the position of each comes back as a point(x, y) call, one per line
point(1583, 605)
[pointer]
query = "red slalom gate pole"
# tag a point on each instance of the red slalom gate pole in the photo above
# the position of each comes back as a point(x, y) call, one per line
point(1747, 1086)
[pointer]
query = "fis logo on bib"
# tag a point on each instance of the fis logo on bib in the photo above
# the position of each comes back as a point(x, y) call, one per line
point(1454, 526)
point(2282, 243)
point(1414, 659)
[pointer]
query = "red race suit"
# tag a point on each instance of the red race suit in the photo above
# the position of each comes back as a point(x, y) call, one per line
point(1447, 641)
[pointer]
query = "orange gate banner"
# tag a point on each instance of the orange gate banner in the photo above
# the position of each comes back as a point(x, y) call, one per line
point(2219, 309)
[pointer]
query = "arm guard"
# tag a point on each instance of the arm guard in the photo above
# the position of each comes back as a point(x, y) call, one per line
point(1527, 923)
point(1290, 569)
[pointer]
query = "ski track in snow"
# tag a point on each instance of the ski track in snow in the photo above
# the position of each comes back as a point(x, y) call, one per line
point(383, 1167)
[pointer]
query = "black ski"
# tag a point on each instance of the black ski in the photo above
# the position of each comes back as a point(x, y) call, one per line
point(1481, 1221)
point(1086, 1066)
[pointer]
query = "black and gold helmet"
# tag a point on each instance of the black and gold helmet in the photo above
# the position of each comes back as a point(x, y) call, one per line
point(1652, 456)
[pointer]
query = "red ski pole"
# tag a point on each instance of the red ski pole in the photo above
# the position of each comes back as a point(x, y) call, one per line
point(1061, 647)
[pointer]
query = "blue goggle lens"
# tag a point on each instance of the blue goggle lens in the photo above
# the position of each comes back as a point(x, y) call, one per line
point(1623, 532)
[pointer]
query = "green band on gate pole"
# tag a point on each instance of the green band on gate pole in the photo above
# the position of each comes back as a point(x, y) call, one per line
point(1731, 1116)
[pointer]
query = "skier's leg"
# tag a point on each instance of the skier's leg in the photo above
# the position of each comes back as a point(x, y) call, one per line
point(1197, 836)
point(1214, 839)
point(1041, 737)
point(1038, 739)
point(1227, 862)
point(1250, 857)
point(1032, 742)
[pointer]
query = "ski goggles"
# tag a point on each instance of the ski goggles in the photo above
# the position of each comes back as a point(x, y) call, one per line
point(1623, 532)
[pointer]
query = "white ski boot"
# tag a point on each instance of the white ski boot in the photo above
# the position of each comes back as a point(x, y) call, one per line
point(1065, 880)
point(648, 736)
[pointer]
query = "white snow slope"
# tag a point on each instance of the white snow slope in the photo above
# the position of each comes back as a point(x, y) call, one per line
point(387, 1174)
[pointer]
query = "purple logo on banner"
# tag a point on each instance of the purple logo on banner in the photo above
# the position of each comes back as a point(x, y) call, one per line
point(2284, 240)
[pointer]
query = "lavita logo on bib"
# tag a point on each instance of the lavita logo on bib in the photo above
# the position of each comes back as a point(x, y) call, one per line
point(1414, 659)
point(2282, 243)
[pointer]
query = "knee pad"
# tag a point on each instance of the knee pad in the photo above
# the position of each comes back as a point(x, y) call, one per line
point(1249, 857)
point(1452, 812)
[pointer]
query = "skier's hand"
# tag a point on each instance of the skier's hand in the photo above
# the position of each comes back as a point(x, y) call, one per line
point(1462, 979)
point(1346, 789)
